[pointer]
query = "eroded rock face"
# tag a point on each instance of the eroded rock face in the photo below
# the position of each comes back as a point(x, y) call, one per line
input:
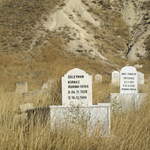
point(137, 15)
point(71, 20)
point(97, 28)
point(89, 28)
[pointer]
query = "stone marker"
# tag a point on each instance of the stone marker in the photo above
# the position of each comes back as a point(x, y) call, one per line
point(76, 88)
point(140, 78)
point(92, 119)
point(21, 87)
point(138, 66)
point(128, 80)
point(48, 84)
point(115, 79)
point(98, 78)
point(128, 98)
point(44, 86)
point(100, 119)
point(25, 107)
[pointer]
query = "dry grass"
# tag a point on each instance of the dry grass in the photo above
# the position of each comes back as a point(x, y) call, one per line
point(50, 62)
point(130, 131)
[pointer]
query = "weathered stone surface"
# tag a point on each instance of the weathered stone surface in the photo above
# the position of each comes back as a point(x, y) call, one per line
point(140, 78)
point(25, 107)
point(115, 78)
point(21, 87)
point(126, 102)
point(92, 119)
point(48, 84)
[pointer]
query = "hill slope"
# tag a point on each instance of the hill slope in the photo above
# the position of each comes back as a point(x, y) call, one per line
point(96, 35)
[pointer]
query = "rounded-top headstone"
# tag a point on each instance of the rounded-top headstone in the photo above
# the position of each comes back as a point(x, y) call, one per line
point(115, 78)
point(128, 80)
point(76, 88)
point(98, 78)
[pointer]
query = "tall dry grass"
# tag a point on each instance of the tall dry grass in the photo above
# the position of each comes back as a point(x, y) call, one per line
point(129, 131)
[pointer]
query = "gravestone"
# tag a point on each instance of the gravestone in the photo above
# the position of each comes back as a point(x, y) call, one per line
point(48, 84)
point(140, 78)
point(21, 87)
point(76, 88)
point(25, 107)
point(128, 80)
point(77, 111)
point(128, 98)
point(98, 78)
point(115, 79)
point(91, 119)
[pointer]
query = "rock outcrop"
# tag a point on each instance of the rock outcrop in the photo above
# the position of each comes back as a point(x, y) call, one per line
point(101, 29)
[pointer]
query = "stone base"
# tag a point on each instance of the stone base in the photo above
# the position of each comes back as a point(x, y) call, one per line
point(92, 119)
point(126, 102)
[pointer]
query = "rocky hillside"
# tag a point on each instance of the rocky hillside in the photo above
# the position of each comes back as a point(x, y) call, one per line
point(81, 33)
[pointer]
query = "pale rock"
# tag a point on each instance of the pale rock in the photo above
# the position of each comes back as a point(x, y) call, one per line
point(127, 102)
point(93, 119)
point(128, 80)
point(138, 66)
point(98, 78)
point(25, 107)
point(140, 78)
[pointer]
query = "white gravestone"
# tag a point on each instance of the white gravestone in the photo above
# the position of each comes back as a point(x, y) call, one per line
point(21, 87)
point(140, 78)
point(76, 88)
point(128, 98)
point(115, 79)
point(92, 119)
point(128, 80)
point(98, 78)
